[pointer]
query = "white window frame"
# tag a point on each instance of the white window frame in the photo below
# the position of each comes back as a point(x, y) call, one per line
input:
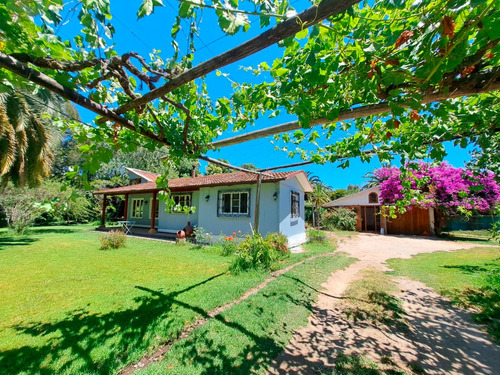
point(220, 204)
point(297, 215)
point(157, 213)
point(141, 208)
point(187, 197)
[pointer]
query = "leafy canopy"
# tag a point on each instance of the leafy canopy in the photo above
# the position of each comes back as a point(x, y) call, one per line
point(412, 74)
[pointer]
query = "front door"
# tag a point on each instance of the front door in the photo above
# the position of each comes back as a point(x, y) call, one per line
point(371, 218)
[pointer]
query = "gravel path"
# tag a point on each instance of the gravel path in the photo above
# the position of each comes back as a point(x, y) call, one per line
point(442, 340)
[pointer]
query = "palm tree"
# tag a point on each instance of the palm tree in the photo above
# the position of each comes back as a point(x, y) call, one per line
point(25, 136)
point(373, 180)
point(320, 195)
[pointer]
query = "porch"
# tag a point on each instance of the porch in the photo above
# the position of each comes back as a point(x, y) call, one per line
point(141, 232)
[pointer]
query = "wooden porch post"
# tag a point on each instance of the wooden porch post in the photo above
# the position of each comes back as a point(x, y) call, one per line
point(153, 210)
point(257, 204)
point(125, 210)
point(103, 213)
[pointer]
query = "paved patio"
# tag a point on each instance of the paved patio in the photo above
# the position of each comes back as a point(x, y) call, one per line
point(142, 233)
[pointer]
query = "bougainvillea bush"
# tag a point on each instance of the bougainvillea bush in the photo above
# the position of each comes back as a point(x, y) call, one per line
point(453, 190)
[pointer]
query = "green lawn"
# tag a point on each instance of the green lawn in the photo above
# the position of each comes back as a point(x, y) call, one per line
point(481, 237)
point(248, 336)
point(471, 278)
point(68, 307)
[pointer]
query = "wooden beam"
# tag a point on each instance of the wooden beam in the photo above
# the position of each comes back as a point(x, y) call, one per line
point(23, 70)
point(153, 211)
point(103, 213)
point(309, 17)
point(230, 166)
point(350, 114)
point(257, 204)
point(125, 210)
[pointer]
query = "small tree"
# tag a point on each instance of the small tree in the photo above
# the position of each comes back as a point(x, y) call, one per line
point(19, 206)
point(450, 190)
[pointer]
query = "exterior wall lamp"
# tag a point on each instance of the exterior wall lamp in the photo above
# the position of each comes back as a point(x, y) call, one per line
point(207, 198)
point(275, 196)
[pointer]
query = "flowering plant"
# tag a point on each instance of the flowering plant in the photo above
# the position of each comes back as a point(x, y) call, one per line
point(453, 190)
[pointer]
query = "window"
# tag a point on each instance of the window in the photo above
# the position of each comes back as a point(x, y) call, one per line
point(182, 199)
point(135, 181)
point(234, 203)
point(373, 198)
point(156, 207)
point(137, 208)
point(295, 206)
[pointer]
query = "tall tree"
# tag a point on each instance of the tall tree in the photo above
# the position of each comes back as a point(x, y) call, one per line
point(217, 169)
point(25, 137)
point(321, 194)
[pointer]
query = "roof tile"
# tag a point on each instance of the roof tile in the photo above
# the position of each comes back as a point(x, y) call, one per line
point(202, 181)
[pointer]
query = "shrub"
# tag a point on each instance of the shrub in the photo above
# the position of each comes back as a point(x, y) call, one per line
point(340, 218)
point(255, 252)
point(113, 240)
point(229, 244)
point(202, 236)
point(278, 241)
point(316, 235)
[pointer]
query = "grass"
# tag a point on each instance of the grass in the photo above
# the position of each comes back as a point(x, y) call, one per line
point(68, 307)
point(371, 298)
point(248, 336)
point(466, 276)
point(481, 237)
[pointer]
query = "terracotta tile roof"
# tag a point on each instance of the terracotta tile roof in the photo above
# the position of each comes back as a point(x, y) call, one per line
point(194, 183)
point(150, 176)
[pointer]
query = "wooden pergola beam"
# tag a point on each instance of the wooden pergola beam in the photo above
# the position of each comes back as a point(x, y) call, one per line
point(457, 90)
point(283, 30)
point(23, 70)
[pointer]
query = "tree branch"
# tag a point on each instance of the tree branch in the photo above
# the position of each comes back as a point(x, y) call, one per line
point(290, 27)
point(49, 63)
point(479, 83)
point(23, 70)
point(183, 108)
point(227, 165)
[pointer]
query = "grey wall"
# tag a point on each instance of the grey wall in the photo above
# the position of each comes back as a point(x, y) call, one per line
point(294, 228)
point(132, 175)
point(214, 224)
point(177, 221)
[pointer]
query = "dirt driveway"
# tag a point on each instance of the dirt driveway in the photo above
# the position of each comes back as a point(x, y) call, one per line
point(443, 339)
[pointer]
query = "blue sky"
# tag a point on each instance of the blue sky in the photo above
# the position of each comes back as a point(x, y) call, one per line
point(154, 32)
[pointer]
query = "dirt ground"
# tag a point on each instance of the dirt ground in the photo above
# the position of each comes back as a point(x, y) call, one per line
point(441, 339)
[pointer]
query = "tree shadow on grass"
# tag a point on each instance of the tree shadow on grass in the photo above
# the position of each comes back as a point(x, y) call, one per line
point(467, 269)
point(35, 231)
point(85, 342)
point(8, 241)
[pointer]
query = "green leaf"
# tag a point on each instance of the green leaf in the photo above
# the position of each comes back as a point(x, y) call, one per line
point(281, 71)
point(302, 34)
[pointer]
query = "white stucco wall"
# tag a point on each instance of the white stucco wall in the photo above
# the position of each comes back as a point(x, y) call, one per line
point(268, 218)
point(172, 222)
point(356, 199)
point(294, 228)
point(132, 175)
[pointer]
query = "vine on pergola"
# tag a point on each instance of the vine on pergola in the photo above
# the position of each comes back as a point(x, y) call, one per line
point(409, 74)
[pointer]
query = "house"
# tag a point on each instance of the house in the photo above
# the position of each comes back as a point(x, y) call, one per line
point(224, 203)
point(368, 208)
